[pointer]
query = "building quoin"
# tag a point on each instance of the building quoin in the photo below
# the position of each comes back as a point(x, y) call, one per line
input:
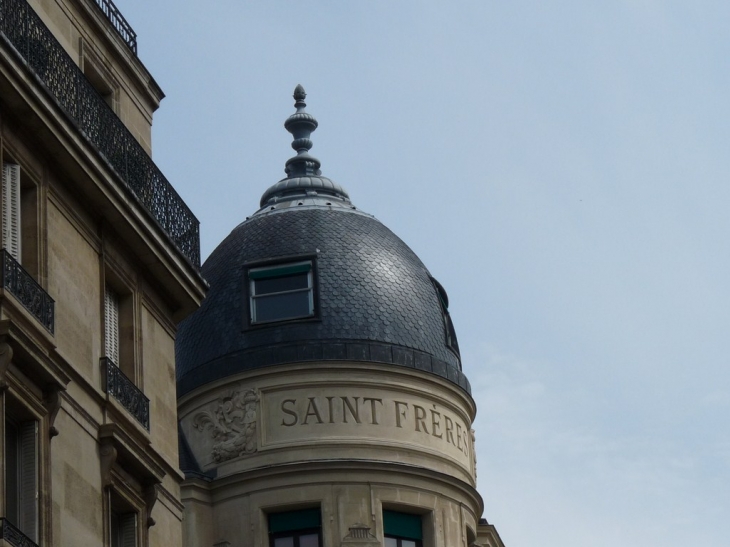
point(321, 398)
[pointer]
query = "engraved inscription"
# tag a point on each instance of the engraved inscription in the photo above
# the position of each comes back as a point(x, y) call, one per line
point(376, 411)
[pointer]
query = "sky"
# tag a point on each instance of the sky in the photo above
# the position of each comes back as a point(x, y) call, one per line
point(560, 167)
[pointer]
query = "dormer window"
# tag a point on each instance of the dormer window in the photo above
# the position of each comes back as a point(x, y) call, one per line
point(449, 330)
point(281, 292)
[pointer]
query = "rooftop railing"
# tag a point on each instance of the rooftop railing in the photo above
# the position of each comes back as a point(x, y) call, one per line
point(116, 384)
point(39, 49)
point(119, 23)
point(29, 293)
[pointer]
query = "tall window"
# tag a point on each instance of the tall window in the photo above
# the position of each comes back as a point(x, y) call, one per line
point(20, 217)
point(11, 209)
point(296, 528)
point(281, 292)
point(21, 475)
point(402, 529)
point(122, 522)
point(111, 324)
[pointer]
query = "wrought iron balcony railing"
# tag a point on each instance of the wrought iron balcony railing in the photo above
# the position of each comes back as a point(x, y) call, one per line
point(13, 535)
point(46, 58)
point(116, 384)
point(21, 284)
point(119, 23)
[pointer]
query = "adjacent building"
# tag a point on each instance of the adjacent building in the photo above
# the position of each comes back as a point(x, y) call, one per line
point(99, 262)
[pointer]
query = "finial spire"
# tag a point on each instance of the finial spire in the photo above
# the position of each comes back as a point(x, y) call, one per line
point(301, 125)
point(304, 183)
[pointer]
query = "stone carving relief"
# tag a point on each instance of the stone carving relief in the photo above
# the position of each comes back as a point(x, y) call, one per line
point(232, 424)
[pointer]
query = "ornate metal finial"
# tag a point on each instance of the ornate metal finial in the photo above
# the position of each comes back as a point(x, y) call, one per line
point(304, 183)
point(301, 125)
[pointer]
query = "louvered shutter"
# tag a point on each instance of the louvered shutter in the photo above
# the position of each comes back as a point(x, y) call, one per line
point(28, 518)
point(128, 530)
point(11, 209)
point(111, 324)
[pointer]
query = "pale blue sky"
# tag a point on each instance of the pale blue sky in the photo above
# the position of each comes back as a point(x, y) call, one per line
point(561, 167)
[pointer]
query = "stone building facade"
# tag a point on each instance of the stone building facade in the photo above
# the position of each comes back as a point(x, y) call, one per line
point(321, 396)
point(99, 262)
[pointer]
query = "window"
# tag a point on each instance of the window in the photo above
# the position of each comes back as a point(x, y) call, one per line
point(111, 324)
point(21, 475)
point(11, 209)
point(295, 528)
point(20, 224)
point(119, 325)
point(281, 292)
point(402, 529)
point(122, 522)
point(451, 341)
point(99, 76)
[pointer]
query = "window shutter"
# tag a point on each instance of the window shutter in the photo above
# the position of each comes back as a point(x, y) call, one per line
point(128, 530)
point(11, 209)
point(29, 480)
point(111, 324)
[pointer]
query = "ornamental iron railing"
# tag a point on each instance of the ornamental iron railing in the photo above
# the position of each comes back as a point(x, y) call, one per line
point(27, 291)
point(44, 55)
point(119, 23)
point(10, 533)
point(116, 384)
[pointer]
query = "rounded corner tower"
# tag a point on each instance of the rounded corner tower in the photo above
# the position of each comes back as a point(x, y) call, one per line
point(320, 391)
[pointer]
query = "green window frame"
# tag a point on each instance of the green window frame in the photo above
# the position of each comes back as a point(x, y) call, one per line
point(282, 292)
point(402, 529)
point(302, 528)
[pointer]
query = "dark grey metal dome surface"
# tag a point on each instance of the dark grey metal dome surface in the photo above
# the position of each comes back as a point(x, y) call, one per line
point(375, 300)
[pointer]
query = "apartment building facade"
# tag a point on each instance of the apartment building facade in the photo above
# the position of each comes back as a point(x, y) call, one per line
point(100, 261)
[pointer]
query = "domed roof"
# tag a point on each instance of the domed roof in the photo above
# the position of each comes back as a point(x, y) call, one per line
point(370, 298)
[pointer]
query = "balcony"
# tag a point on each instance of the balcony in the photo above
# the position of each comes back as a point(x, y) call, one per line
point(26, 290)
point(13, 536)
point(116, 384)
point(21, 27)
point(119, 23)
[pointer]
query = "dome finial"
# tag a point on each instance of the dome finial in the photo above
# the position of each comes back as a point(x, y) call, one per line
point(304, 181)
point(300, 94)
point(301, 125)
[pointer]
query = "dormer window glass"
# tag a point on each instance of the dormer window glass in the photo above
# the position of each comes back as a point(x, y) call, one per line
point(281, 292)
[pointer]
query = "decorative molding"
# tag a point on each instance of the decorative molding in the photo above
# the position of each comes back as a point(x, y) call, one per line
point(52, 402)
point(108, 454)
point(6, 357)
point(232, 425)
point(359, 535)
point(150, 498)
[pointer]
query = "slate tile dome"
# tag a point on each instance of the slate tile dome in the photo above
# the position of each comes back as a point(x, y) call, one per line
point(374, 299)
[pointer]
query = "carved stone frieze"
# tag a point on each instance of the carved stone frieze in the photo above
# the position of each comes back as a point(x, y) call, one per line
point(232, 424)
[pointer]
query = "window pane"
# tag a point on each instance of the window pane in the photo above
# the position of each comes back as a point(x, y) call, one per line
point(282, 306)
point(280, 284)
point(310, 540)
point(284, 542)
point(408, 543)
point(12, 473)
point(391, 542)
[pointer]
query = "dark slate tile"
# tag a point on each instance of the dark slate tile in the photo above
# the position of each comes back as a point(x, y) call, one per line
point(358, 352)
point(380, 353)
point(422, 361)
point(403, 356)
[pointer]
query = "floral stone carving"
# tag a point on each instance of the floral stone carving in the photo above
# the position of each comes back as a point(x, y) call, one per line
point(232, 425)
